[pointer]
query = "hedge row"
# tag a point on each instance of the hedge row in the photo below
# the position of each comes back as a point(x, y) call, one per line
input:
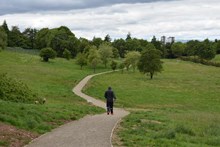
point(202, 61)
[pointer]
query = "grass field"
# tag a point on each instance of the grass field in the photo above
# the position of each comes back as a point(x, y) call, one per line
point(53, 81)
point(217, 58)
point(179, 107)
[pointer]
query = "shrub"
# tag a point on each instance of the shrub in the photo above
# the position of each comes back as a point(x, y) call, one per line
point(67, 54)
point(47, 53)
point(113, 65)
point(15, 91)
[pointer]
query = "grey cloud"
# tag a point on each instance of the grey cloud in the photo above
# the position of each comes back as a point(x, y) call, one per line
point(23, 6)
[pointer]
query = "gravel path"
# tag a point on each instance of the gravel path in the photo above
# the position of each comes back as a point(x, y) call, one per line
point(90, 131)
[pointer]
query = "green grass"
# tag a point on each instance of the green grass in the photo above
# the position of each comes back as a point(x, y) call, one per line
point(217, 58)
point(179, 107)
point(53, 81)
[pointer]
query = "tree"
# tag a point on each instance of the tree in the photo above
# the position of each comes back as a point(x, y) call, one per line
point(47, 53)
point(16, 38)
point(156, 43)
point(121, 67)
point(3, 38)
point(150, 62)
point(115, 52)
point(206, 50)
point(81, 60)
point(30, 36)
point(94, 57)
point(107, 38)
point(5, 27)
point(106, 52)
point(128, 36)
point(132, 59)
point(67, 54)
point(43, 38)
point(97, 41)
point(113, 65)
point(120, 44)
point(178, 49)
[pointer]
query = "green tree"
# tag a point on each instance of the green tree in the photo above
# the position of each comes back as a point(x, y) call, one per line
point(107, 38)
point(121, 67)
point(106, 53)
point(30, 36)
point(94, 57)
point(43, 38)
point(67, 54)
point(132, 59)
point(81, 60)
point(5, 27)
point(115, 52)
point(150, 62)
point(16, 38)
point(206, 50)
point(47, 53)
point(113, 65)
point(120, 45)
point(178, 49)
point(128, 36)
point(156, 43)
point(97, 41)
point(3, 38)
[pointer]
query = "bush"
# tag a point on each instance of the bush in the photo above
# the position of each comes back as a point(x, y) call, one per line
point(113, 65)
point(202, 61)
point(67, 54)
point(15, 91)
point(47, 53)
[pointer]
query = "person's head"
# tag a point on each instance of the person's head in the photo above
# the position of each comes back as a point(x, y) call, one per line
point(109, 88)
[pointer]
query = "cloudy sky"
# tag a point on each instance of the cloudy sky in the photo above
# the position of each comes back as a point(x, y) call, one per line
point(183, 19)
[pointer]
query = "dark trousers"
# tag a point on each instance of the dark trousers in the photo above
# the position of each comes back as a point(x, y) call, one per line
point(109, 106)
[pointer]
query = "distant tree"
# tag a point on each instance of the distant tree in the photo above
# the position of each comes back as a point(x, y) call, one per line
point(106, 53)
point(132, 59)
point(43, 38)
point(156, 43)
point(113, 65)
point(120, 44)
point(16, 38)
point(81, 60)
point(178, 49)
point(30, 36)
point(97, 41)
point(47, 53)
point(83, 44)
point(206, 50)
point(115, 52)
point(3, 39)
point(107, 38)
point(67, 54)
point(5, 27)
point(150, 62)
point(94, 57)
point(128, 36)
point(217, 46)
point(121, 67)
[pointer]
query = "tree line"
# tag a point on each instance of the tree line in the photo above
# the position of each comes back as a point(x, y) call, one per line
point(62, 42)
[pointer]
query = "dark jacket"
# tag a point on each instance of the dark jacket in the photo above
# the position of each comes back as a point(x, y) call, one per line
point(110, 96)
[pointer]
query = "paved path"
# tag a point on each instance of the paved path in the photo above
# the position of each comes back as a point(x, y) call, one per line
point(90, 131)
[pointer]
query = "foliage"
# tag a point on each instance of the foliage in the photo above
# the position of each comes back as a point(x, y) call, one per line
point(107, 38)
point(43, 38)
point(30, 36)
point(67, 54)
point(113, 65)
point(150, 62)
point(81, 60)
point(132, 58)
point(120, 44)
point(16, 38)
point(206, 50)
point(3, 39)
point(202, 61)
point(94, 57)
point(97, 41)
point(106, 53)
point(121, 67)
point(16, 91)
point(47, 53)
point(178, 49)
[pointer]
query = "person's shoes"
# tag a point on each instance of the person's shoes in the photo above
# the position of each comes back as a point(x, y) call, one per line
point(107, 113)
point(111, 113)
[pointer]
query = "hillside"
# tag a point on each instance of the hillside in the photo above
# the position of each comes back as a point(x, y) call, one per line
point(53, 81)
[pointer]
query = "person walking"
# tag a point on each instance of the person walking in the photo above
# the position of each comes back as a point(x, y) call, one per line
point(110, 98)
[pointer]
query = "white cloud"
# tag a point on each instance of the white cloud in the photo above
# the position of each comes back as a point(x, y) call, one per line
point(187, 19)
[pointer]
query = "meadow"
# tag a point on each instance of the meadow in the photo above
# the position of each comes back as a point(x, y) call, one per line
point(54, 81)
point(179, 107)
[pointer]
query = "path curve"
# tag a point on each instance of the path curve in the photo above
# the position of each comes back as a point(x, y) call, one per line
point(90, 131)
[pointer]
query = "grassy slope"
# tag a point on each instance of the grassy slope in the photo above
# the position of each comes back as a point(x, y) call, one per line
point(217, 58)
point(53, 81)
point(183, 101)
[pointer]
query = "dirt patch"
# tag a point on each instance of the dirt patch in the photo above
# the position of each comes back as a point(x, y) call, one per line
point(13, 137)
